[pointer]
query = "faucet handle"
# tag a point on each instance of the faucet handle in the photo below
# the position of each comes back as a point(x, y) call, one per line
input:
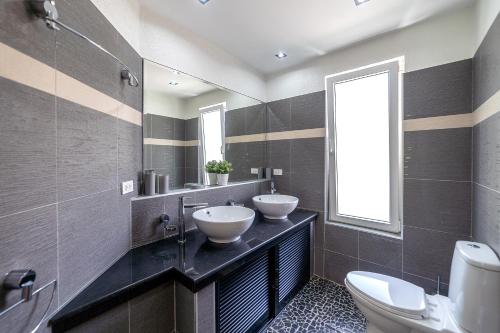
point(165, 220)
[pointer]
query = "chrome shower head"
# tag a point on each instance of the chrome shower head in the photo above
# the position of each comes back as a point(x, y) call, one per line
point(132, 80)
point(46, 9)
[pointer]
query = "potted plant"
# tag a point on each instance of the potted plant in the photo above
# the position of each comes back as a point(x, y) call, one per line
point(223, 170)
point(211, 168)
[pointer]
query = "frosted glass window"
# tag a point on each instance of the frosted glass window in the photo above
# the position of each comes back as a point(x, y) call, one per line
point(362, 147)
point(365, 147)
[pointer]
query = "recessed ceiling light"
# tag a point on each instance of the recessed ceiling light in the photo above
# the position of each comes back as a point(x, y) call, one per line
point(280, 55)
point(357, 2)
point(173, 83)
point(203, 2)
point(175, 72)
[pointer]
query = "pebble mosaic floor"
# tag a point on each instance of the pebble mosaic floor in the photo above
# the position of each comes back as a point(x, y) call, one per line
point(320, 307)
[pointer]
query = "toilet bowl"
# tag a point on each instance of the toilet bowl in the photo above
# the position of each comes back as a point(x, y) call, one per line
point(392, 305)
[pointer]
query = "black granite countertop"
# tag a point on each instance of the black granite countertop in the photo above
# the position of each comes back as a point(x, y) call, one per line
point(196, 264)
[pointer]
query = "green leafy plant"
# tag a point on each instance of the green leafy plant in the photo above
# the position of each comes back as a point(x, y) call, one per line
point(224, 167)
point(212, 166)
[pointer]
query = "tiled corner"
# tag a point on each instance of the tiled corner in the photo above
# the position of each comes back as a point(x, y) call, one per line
point(486, 152)
point(279, 116)
point(486, 219)
point(146, 226)
point(255, 119)
point(438, 91)
point(235, 122)
point(341, 240)
point(153, 311)
point(308, 111)
point(162, 127)
point(319, 261)
point(338, 265)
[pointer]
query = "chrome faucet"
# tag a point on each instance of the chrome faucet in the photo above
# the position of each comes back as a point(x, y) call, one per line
point(273, 188)
point(182, 210)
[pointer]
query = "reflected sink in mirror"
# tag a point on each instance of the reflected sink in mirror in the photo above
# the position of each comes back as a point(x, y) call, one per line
point(224, 224)
point(188, 122)
point(275, 206)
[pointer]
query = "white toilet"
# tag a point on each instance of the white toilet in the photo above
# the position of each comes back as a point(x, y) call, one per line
point(392, 305)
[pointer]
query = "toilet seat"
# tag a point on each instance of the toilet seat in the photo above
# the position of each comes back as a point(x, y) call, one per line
point(388, 293)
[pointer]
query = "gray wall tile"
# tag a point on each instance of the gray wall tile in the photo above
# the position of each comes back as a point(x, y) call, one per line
point(146, 226)
point(87, 151)
point(319, 230)
point(129, 153)
point(192, 129)
point(163, 157)
point(447, 205)
point(235, 122)
point(205, 309)
point(153, 311)
point(486, 152)
point(146, 123)
point(438, 91)
point(439, 154)
point(486, 219)
point(487, 65)
point(20, 31)
point(279, 117)
point(214, 197)
point(308, 111)
point(256, 119)
point(319, 261)
point(115, 320)
point(244, 193)
point(27, 152)
point(375, 268)
point(179, 129)
point(192, 157)
point(162, 127)
point(28, 240)
point(384, 251)
point(341, 240)
point(185, 315)
point(338, 265)
point(428, 253)
point(429, 285)
point(279, 155)
point(91, 237)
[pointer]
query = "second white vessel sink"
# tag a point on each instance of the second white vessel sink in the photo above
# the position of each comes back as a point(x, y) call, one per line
point(224, 224)
point(275, 206)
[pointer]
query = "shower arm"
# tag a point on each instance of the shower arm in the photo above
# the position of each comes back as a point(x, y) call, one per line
point(125, 73)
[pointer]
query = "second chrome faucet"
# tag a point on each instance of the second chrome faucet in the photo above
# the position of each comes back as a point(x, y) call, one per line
point(181, 213)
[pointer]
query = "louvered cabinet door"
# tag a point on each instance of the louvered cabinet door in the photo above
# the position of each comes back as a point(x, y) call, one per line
point(293, 265)
point(244, 298)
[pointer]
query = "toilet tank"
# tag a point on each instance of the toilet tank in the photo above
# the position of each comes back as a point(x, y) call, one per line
point(474, 289)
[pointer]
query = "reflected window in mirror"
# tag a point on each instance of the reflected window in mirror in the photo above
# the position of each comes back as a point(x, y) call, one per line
point(212, 134)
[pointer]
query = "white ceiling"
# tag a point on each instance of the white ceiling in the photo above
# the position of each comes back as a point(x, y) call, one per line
point(158, 77)
point(255, 30)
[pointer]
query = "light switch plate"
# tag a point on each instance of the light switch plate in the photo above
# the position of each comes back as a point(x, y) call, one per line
point(127, 187)
point(254, 171)
point(278, 172)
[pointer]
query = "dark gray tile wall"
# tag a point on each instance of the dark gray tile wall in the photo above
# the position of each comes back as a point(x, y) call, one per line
point(62, 163)
point(486, 142)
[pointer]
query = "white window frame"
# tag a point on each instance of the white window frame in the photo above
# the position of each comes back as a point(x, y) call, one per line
point(394, 68)
point(207, 109)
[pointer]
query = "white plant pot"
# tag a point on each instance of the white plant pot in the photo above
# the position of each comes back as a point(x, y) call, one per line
point(212, 179)
point(222, 178)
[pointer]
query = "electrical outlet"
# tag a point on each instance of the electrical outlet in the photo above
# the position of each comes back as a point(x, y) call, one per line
point(127, 187)
point(254, 171)
point(278, 172)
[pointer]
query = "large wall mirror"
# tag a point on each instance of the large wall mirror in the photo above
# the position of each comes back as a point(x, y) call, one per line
point(188, 122)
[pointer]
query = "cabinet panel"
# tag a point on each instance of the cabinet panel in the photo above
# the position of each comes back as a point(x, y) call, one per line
point(244, 297)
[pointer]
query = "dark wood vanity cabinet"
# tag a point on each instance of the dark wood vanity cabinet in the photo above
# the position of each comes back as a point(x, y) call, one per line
point(249, 297)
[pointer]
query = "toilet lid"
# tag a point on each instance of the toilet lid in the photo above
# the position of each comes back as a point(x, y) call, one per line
point(389, 292)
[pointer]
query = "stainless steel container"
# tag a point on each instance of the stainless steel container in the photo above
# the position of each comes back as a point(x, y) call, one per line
point(149, 182)
point(163, 184)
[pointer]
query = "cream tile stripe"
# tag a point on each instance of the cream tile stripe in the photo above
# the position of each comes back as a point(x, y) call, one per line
point(165, 142)
point(21, 68)
point(487, 109)
point(434, 123)
point(286, 135)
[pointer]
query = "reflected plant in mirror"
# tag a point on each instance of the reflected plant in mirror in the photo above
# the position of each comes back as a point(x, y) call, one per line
point(189, 124)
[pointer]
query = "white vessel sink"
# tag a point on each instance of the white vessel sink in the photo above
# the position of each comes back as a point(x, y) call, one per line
point(275, 206)
point(224, 224)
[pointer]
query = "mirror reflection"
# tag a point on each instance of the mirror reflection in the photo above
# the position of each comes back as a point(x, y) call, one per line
point(189, 123)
